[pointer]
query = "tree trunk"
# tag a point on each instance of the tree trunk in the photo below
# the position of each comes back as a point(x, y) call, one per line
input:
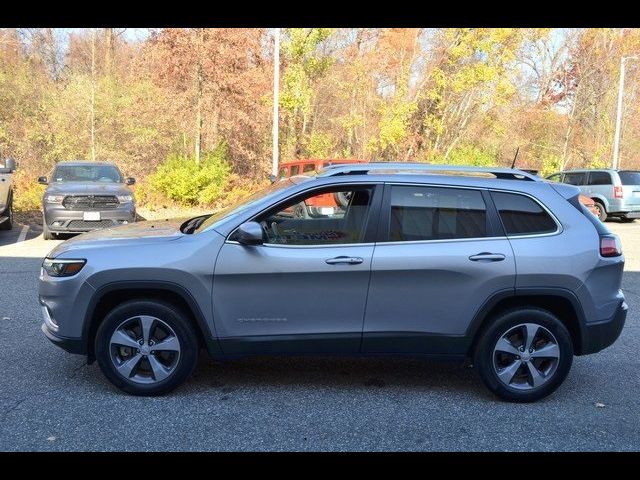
point(108, 50)
point(199, 81)
point(93, 96)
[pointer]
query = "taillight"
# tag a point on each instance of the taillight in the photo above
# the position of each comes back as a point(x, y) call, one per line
point(617, 191)
point(610, 246)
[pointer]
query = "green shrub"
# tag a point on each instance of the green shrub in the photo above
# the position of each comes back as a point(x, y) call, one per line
point(188, 183)
point(27, 193)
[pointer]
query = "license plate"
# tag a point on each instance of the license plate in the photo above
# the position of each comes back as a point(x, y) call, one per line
point(633, 214)
point(91, 216)
point(636, 194)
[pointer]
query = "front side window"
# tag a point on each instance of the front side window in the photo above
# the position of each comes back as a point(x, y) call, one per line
point(327, 217)
point(308, 167)
point(295, 169)
point(599, 178)
point(433, 213)
point(574, 178)
point(522, 215)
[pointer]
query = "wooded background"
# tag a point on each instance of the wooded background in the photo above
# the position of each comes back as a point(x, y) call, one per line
point(176, 105)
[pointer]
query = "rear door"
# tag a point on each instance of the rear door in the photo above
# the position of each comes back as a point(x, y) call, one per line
point(599, 185)
point(440, 256)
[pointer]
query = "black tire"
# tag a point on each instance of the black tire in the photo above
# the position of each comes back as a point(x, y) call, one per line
point(484, 353)
point(625, 219)
point(343, 198)
point(8, 212)
point(169, 314)
point(46, 233)
point(602, 212)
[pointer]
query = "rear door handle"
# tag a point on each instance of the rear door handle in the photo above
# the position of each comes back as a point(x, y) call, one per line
point(487, 257)
point(344, 259)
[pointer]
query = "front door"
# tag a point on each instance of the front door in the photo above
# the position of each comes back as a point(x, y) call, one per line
point(440, 257)
point(304, 290)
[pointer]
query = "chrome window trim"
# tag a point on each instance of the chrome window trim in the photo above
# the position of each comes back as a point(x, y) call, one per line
point(559, 227)
point(327, 245)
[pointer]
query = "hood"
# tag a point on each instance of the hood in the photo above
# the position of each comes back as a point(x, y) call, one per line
point(87, 188)
point(139, 233)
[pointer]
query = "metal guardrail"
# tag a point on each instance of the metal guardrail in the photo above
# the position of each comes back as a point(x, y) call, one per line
point(403, 167)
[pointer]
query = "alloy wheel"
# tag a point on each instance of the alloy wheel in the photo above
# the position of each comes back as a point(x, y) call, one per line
point(526, 356)
point(144, 349)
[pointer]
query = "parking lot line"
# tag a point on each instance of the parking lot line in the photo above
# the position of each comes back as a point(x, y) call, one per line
point(23, 234)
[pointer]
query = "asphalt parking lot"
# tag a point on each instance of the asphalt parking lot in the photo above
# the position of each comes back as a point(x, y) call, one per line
point(53, 401)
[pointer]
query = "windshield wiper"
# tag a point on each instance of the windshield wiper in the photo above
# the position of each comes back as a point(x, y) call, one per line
point(192, 225)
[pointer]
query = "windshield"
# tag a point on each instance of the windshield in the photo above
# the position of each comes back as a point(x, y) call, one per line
point(628, 177)
point(86, 173)
point(245, 203)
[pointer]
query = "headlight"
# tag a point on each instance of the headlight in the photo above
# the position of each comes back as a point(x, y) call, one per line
point(54, 198)
point(125, 198)
point(62, 267)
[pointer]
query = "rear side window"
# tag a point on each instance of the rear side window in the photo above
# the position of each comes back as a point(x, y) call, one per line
point(574, 178)
point(308, 167)
point(599, 178)
point(522, 215)
point(295, 169)
point(628, 177)
point(433, 213)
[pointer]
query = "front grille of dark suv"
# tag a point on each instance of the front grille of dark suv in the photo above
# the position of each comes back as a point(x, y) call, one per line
point(90, 202)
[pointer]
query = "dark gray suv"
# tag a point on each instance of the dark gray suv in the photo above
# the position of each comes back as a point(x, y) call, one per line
point(493, 264)
point(85, 196)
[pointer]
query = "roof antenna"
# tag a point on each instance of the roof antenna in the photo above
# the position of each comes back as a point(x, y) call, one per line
point(513, 164)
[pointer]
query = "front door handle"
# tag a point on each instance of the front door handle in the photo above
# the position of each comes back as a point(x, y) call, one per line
point(487, 257)
point(344, 259)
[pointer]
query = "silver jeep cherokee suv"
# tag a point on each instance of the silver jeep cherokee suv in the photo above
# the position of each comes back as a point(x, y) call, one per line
point(493, 264)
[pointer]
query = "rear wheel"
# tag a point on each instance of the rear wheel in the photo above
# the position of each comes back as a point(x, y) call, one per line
point(625, 219)
point(601, 211)
point(524, 355)
point(146, 347)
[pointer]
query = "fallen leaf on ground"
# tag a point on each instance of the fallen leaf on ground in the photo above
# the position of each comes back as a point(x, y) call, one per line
point(599, 405)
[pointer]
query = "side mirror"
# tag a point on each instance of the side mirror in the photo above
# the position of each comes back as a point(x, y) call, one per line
point(11, 164)
point(42, 180)
point(130, 181)
point(249, 233)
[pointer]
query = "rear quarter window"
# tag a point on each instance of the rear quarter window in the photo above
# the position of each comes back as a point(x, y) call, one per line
point(521, 215)
point(599, 178)
point(628, 177)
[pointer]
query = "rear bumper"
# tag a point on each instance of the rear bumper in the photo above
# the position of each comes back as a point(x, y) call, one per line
point(598, 336)
point(71, 345)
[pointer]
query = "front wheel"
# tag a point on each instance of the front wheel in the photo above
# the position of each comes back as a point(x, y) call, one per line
point(146, 347)
point(625, 219)
point(8, 212)
point(46, 233)
point(524, 355)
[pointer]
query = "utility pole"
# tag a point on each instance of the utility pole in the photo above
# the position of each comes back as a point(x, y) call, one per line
point(276, 96)
point(616, 144)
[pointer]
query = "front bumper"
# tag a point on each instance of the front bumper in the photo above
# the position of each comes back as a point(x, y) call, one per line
point(600, 335)
point(71, 345)
point(62, 220)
